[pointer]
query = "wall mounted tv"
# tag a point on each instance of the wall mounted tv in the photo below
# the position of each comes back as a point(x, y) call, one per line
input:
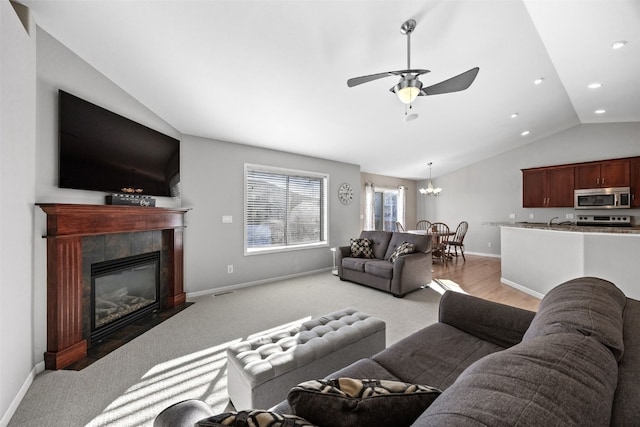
point(103, 151)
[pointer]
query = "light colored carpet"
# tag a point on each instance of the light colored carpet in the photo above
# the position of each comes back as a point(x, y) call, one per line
point(185, 356)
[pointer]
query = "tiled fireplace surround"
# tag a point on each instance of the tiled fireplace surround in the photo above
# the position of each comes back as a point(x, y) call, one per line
point(80, 235)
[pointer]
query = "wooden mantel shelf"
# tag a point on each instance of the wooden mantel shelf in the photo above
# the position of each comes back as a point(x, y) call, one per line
point(67, 220)
point(66, 225)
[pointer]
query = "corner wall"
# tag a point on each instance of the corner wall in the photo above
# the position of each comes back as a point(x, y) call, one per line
point(17, 195)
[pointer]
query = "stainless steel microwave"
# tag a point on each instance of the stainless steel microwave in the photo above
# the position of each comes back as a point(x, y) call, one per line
point(603, 198)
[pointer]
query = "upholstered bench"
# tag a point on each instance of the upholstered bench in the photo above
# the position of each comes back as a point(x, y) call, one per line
point(263, 369)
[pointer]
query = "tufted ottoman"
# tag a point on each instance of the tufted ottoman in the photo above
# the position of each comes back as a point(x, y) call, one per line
point(263, 369)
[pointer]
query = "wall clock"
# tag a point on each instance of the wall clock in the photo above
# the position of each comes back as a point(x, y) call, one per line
point(345, 193)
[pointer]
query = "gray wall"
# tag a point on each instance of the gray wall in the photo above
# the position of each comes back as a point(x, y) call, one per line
point(212, 176)
point(490, 190)
point(17, 195)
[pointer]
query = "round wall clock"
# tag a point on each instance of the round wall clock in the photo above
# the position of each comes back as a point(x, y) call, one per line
point(345, 193)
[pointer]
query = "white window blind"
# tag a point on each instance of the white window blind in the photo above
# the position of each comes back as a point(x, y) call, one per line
point(284, 209)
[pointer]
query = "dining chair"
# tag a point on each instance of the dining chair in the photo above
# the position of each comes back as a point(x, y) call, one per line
point(423, 224)
point(399, 227)
point(440, 232)
point(457, 241)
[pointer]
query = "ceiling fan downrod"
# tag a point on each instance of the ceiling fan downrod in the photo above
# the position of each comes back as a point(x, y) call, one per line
point(406, 29)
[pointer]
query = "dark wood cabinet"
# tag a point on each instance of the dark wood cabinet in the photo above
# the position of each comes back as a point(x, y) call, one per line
point(634, 181)
point(548, 187)
point(610, 173)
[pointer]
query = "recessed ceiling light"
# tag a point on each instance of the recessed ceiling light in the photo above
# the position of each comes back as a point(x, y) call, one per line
point(538, 81)
point(595, 86)
point(514, 115)
point(619, 44)
point(410, 117)
point(525, 133)
point(600, 111)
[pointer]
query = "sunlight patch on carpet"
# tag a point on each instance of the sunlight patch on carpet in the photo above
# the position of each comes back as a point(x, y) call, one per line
point(442, 285)
point(199, 375)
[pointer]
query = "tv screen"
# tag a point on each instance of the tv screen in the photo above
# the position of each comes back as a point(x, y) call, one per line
point(103, 151)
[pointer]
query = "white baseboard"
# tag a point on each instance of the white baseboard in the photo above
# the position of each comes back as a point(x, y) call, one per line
point(13, 407)
point(483, 254)
point(231, 288)
point(521, 288)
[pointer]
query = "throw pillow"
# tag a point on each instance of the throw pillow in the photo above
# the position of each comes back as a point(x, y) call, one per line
point(361, 248)
point(353, 402)
point(403, 249)
point(254, 418)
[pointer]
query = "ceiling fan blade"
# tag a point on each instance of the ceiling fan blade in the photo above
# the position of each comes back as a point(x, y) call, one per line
point(355, 81)
point(454, 84)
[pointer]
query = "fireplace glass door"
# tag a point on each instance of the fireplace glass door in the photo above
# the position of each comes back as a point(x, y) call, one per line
point(122, 291)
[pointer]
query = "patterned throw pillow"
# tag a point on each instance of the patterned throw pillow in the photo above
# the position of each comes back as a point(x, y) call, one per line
point(254, 418)
point(361, 248)
point(403, 249)
point(352, 402)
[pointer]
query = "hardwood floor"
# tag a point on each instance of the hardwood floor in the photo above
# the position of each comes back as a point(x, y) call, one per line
point(480, 276)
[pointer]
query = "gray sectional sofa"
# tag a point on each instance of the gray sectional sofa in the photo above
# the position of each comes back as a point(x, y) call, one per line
point(408, 273)
point(576, 362)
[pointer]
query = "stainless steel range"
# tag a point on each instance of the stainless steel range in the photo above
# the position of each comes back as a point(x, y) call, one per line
point(604, 220)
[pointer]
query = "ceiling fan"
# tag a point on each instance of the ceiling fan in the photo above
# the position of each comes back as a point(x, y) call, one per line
point(410, 87)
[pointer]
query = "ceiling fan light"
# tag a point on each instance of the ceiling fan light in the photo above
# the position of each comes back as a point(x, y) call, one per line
point(408, 90)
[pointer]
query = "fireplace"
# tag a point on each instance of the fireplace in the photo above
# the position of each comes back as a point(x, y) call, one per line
point(122, 291)
point(79, 236)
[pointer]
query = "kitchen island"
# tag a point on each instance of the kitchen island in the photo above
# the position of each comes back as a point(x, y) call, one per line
point(537, 256)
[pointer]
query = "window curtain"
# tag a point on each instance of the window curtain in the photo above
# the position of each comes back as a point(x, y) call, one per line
point(402, 205)
point(369, 211)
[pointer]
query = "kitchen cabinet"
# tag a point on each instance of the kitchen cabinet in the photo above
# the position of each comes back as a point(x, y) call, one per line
point(610, 173)
point(548, 187)
point(634, 181)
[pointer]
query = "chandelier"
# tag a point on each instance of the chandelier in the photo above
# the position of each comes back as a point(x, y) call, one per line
point(430, 190)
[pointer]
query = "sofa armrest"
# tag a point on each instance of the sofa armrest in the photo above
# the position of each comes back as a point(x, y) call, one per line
point(410, 272)
point(341, 252)
point(500, 324)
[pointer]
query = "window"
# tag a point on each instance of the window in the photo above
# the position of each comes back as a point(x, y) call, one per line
point(284, 209)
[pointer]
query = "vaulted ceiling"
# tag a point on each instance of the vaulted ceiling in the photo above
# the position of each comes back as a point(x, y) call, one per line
point(273, 73)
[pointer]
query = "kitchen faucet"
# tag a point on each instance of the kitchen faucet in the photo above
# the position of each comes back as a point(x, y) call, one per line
point(550, 223)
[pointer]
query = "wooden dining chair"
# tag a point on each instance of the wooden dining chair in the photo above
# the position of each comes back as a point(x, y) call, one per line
point(423, 224)
point(457, 241)
point(440, 232)
point(399, 227)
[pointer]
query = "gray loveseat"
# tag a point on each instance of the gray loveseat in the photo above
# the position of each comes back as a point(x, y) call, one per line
point(408, 273)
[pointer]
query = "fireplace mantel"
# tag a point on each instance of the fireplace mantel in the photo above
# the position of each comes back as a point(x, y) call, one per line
point(66, 225)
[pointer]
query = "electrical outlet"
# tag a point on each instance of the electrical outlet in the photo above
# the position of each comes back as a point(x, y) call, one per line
point(226, 219)
point(230, 268)
point(531, 216)
point(569, 216)
point(512, 216)
point(490, 244)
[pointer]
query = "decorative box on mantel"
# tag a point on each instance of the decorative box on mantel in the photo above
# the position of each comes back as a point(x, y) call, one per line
point(67, 224)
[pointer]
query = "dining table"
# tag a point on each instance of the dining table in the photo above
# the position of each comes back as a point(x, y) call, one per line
point(438, 237)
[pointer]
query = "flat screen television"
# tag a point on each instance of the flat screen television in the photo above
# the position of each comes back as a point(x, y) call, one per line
point(102, 151)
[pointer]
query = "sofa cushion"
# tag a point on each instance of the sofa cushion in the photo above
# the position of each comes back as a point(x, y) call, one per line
point(405, 248)
point(587, 305)
point(421, 242)
point(354, 402)
point(559, 379)
point(380, 241)
point(379, 268)
point(253, 418)
point(361, 248)
point(356, 264)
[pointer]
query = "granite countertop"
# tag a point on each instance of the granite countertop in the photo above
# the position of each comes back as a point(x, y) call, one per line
point(570, 227)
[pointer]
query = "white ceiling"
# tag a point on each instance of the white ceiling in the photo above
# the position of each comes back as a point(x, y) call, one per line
point(273, 73)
